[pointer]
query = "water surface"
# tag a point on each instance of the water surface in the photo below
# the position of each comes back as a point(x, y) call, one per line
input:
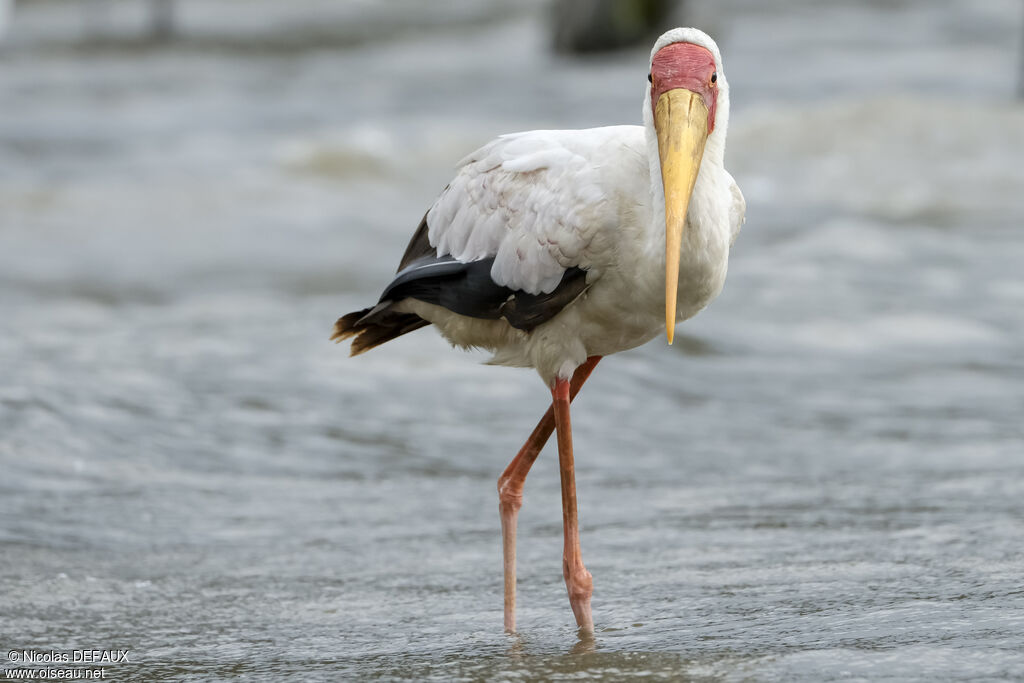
point(822, 480)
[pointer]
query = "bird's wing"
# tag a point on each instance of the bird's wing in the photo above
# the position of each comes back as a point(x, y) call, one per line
point(515, 232)
point(737, 209)
point(533, 201)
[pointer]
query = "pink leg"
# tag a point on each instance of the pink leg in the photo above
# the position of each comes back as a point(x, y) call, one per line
point(510, 488)
point(578, 580)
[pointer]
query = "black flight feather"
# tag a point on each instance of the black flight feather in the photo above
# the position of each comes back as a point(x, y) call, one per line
point(463, 288)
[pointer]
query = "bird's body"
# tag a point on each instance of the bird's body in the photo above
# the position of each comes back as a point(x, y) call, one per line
point(543, 201)
point(552, 248)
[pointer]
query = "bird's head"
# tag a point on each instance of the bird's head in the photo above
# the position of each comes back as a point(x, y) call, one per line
point(688, 101)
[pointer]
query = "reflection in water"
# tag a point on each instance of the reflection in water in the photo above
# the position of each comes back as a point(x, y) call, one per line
point(585, 645)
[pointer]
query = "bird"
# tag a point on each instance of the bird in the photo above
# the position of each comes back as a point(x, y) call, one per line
point(554, 248)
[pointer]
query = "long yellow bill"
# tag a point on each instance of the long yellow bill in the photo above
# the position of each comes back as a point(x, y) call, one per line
point(681, 122)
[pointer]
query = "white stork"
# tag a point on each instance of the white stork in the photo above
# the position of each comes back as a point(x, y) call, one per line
point(548, 248)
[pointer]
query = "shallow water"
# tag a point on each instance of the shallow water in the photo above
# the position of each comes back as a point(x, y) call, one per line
point(822, 479)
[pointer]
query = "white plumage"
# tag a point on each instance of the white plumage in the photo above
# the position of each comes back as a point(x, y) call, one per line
point(543, 201)
point(535, 201)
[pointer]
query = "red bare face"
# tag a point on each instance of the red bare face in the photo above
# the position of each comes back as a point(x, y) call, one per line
point(689, 66)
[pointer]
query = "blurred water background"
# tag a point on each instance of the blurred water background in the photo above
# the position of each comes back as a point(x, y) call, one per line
point(823, 479)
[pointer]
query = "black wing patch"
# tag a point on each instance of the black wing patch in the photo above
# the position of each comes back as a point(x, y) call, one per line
point(419, 246)
point(467, 288)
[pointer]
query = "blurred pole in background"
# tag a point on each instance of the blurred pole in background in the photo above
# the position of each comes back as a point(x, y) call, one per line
point(98, 20)
point(95, 18)
point(161, 19)
point(6, 10)
point(599, 25)
point(1020, 75)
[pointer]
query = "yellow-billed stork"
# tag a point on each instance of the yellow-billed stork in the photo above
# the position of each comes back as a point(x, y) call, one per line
point(548, 248)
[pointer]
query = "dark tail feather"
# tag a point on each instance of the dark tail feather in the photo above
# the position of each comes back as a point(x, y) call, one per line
point(372, 327)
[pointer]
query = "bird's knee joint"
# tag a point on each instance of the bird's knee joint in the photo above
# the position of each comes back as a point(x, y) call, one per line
point(510, 494)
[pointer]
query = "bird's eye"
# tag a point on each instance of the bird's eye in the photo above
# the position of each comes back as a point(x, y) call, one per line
point(714, 77)
point(650, 79)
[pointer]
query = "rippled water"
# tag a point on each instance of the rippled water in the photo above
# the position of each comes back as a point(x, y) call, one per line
point(822, 480)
